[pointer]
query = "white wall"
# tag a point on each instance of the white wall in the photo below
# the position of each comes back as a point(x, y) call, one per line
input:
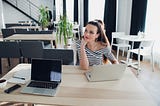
point(123, 21)
point(11, 15)
point(1, 16)
point(124, 16)
point(48, 3)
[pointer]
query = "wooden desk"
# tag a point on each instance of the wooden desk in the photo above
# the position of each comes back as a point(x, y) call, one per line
point(48, 37)
point(76, 90)
point(26, 27)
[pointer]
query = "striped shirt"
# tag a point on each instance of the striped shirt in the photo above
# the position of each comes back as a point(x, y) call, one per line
point(96, 57)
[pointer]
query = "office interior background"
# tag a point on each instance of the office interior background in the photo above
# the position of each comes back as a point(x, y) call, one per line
point(129, 16)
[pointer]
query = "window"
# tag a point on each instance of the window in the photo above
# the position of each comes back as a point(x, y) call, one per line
point(96, 9)
point(59, 8)
point(70, 9)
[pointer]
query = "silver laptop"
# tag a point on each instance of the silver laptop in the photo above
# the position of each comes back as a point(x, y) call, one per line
point(45, 77)
point(106, 72)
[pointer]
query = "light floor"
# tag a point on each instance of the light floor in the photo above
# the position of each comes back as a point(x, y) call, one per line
point(150, 80)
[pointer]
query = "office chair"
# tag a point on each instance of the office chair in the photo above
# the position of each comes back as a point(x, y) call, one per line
point(31, 49)
point(145, 49)
point(66, 55)
point(20, 31)
point(10, 50)
point(119, 44)
point(76, 30)
point(7, 32)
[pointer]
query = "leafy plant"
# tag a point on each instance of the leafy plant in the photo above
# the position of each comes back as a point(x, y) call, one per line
point(43, 18)
point(64, 29)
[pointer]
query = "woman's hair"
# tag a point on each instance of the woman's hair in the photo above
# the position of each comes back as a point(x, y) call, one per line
point(100, 21)
point(102, 24)
point(100, 31)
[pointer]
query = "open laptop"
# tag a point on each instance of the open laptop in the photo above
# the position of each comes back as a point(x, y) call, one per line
point(106, 72)
point(45, 77)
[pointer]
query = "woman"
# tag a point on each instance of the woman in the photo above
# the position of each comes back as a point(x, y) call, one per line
point(93, 46)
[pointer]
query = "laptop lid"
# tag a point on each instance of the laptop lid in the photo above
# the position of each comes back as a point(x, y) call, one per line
point(44, 71)
point(105, 72)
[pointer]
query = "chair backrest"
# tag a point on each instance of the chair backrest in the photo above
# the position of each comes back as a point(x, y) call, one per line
point(148, 44)
point(66, 55)
point(7, 32)
point(9, 50)
point(31, 49)
point(115, 35)
point(20, 31)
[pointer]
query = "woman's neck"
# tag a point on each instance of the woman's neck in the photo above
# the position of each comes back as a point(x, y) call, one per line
point(93, 46)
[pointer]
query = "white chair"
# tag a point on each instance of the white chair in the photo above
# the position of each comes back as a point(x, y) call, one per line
point(119, 42)
point(145, 49)
point(76, 30)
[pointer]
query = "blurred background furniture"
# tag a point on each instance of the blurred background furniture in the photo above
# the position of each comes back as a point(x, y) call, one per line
point(7, 32)
point(119, 43)
point(31, 49)
point(9, 50)
point(35, 37)
point(66, 55)
point(76, 30)
point(145, 49)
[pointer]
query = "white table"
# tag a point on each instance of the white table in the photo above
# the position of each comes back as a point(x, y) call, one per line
point(133, 39)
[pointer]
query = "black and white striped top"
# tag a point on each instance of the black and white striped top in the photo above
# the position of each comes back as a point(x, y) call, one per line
point(96, 57)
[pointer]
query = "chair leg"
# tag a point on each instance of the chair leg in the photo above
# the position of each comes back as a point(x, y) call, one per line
point(128, 55)
point(123, 52)
point(117, 52)
point(138, 64)
point(152, 61)
point(9, 62)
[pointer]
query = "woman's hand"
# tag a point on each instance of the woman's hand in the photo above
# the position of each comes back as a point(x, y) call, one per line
point(83, 42)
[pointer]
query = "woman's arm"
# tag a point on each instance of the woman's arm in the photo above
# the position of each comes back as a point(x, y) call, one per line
point(110, 56)
point(115, 61)
point(84, 63)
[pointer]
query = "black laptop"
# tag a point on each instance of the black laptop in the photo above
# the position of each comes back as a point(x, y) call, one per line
point(45, 77)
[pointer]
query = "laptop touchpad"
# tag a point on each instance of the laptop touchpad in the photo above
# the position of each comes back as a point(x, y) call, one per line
point(38, 91)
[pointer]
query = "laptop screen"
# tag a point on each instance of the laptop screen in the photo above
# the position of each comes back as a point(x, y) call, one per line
point(46, 70)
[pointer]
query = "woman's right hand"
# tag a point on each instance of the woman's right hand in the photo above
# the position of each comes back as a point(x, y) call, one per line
point(83, 42)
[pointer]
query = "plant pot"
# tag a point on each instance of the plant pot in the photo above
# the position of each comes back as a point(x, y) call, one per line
point(69, 41)
point(45, 29)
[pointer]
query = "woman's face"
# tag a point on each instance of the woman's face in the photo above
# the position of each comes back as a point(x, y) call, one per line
point(90, 33)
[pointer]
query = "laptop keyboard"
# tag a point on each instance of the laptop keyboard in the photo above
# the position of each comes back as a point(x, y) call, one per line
point(43, 85)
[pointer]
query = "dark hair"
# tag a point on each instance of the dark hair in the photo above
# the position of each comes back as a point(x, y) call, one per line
point(100, 31)
point(100, 21)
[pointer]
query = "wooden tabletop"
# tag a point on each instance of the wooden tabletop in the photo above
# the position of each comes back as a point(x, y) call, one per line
point(76, 90)
point(31, 37)
point(47, 37)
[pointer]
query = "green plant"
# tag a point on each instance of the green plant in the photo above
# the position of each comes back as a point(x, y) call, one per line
point(43, 18)
point(64, 29)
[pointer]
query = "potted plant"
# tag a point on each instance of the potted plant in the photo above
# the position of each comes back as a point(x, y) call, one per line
point(64, 30)
point(43, 18)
